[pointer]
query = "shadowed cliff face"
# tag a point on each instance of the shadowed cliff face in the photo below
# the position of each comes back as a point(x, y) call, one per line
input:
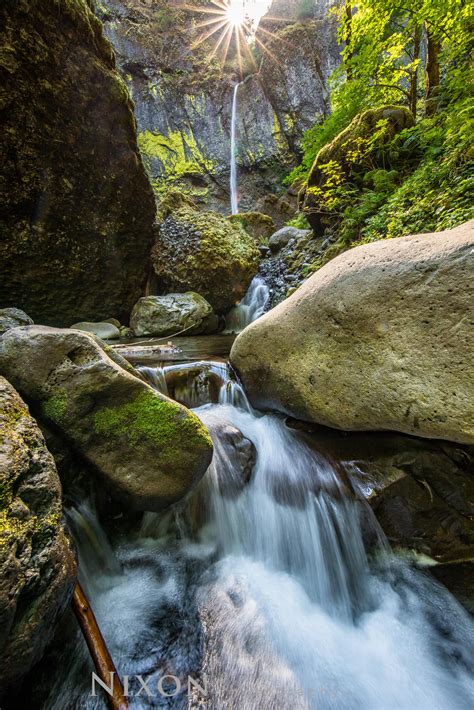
point(76, 206)
point(183, 96)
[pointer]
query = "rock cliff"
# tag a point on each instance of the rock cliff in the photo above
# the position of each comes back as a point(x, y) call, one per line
point(76, 206)
point(183, 94)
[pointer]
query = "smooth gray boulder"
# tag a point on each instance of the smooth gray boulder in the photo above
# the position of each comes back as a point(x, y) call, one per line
point(280, 239)
point(12, 318)
point(103, 329)
point(379, 338)
point(37, 566)
point(150, 450)
point(173, 313)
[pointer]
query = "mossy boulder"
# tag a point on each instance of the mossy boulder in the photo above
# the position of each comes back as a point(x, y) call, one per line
point(259, 226)
point(76, 206)
point(202, 252)
point(358, 149)
point(37, 567)
point(378, 338)
point(149, 449)
point(173, 313)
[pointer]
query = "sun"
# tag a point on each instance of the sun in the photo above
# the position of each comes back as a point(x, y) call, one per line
point(235, 13)
point(232, 20)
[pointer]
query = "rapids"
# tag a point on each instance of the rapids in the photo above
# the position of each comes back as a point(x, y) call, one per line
point(267, 597)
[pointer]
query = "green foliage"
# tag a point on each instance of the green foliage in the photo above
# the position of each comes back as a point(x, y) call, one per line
point(423, 178)
point(300, 222)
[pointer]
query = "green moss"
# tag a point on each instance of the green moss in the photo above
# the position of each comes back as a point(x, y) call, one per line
point(12, 527)
point(165, 423)
point(55, 407)
point(259, 226)
point(177, 152)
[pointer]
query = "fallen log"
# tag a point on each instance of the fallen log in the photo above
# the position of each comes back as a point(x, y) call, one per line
point(103, 662)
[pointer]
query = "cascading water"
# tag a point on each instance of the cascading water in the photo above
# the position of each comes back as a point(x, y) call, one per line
point(234, 195)
point(260, 588)
point(251, 307)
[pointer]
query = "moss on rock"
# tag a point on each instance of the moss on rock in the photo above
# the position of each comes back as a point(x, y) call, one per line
point(343, 163)
point(148, 449)
point(202, 252)
point(147, 417)
point(37, 568)
point(259, 226)
point(76, 206)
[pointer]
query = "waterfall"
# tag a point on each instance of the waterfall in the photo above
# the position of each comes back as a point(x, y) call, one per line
point(263, 590)
point(234, 197)
point(251, 307)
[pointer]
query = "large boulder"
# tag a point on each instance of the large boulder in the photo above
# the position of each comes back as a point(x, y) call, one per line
point(379, 338)
point(202, 252)
point(12, 318)
point(149, 449)
point(77, 209)
point(37, 567)
point(355, 151)
point(173, 313)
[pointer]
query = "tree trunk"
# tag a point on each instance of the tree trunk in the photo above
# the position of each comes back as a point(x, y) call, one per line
point(414, 71)
point(432, 73)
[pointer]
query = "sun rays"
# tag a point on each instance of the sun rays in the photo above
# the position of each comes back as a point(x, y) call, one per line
point(233, 22)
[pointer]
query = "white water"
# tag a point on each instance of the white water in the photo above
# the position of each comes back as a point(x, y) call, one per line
point(251, 307)
point(268, 596)
point(234, 195)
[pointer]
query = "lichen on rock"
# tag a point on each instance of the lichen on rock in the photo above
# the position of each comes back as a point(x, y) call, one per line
point(37, 567)
point(378, 338)
point(202, 252)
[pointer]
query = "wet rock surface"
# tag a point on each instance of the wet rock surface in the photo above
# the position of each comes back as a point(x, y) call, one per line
point(37, 566)
point(421, 492)
point(148, 449)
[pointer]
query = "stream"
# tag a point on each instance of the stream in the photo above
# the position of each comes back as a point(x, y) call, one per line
point(258, 586)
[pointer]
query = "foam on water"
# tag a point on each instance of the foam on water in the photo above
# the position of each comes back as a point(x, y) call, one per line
point(270, 600)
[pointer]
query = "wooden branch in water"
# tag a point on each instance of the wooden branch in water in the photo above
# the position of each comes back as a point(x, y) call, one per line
point(103, 662)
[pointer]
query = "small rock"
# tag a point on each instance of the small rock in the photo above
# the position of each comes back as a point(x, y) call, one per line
point(126, 332)
point(173, 313)
point(103, 329)
point(12, 318)
point(281, 238)
point(114, 322)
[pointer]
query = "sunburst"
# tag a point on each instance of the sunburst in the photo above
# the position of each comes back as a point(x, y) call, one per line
point(232, 20)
